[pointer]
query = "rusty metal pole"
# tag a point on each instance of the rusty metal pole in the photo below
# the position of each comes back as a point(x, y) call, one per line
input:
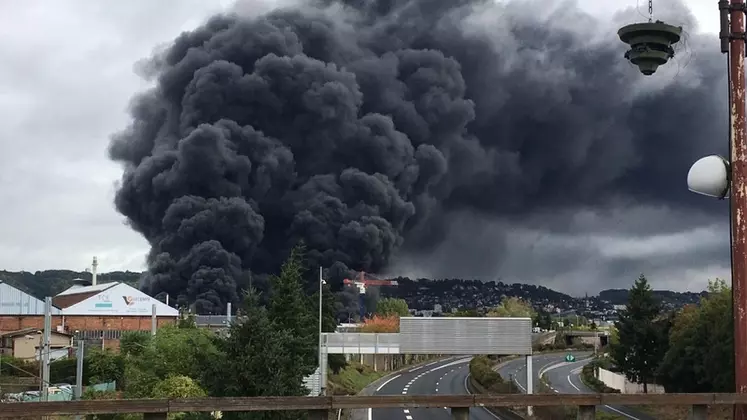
point(738, 160)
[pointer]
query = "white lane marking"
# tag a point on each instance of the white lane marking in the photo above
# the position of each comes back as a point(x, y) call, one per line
point(466, 388)
point(575, 371)
point(386, 382)
point(436, 389)
point(369, 414)
point(404, 392)
point(406, 411)
point(408, 417)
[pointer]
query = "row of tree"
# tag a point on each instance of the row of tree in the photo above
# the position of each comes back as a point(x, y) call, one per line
point(267, 353)
point(689, 350)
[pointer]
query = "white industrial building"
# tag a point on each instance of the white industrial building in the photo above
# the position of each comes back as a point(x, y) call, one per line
point(109, 299)
point(14, 301)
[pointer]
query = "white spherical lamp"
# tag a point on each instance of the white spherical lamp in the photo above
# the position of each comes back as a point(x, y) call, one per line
point(710, 176)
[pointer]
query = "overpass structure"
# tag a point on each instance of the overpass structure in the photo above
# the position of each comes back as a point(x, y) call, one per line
point(447, 336)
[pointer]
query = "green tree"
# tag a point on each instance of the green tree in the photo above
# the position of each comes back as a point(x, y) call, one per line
point(186, 319)
point(392, 306)
point(105, 366)
point(640, 341)
point(513, 307)
point(257, 362)
point(291, 310)
point(543, 320)
point(173, 351)
point(178, 386)
point(700, 357)
point(133, 343)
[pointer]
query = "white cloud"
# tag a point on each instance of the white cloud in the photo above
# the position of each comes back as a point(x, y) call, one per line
point(65, 84)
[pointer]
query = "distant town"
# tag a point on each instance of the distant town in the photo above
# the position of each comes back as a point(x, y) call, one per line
point(438, 297)
point(424, 297)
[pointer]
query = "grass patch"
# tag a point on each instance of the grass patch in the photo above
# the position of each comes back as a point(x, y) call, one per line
point(589, 378)
point(352, 379)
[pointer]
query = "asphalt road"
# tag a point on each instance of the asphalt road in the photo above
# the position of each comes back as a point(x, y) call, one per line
point(449, 377)
point(444, 377)
point(566, 379)
point(516, 368)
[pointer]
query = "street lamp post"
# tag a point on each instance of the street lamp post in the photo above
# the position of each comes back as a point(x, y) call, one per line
point(322, 367)
point(716, 177)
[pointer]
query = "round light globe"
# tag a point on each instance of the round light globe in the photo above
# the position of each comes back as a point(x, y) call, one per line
point(709, 176)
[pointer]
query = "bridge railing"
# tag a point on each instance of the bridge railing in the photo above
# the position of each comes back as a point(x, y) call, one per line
point(320, 407)
point(361, 343)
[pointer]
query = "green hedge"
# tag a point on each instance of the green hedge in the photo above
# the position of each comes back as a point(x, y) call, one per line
point(589, 378)
point(481, 370)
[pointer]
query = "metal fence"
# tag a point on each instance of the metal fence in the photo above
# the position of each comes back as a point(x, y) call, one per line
point(99, 334)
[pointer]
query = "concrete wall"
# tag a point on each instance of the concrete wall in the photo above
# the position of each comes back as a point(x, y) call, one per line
point(622, 384)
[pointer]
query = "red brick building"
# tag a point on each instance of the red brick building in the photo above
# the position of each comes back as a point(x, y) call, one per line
point(99, 312)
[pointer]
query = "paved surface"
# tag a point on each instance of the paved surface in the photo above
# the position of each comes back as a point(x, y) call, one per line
point(516, 369)
point(443, 377)
point(566, 379)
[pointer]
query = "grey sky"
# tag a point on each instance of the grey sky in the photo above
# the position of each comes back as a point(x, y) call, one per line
point(65, 83)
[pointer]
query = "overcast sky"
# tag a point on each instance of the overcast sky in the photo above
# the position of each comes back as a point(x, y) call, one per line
point(66, 79)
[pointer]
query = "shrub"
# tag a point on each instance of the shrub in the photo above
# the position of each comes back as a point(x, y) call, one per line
point(589, 378)
point(481, 370)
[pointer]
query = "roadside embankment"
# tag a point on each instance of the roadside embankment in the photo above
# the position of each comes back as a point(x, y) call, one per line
point(369, 388)
point(483, 379)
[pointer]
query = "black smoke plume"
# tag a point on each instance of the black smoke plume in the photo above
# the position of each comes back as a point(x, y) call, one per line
point(363, 127)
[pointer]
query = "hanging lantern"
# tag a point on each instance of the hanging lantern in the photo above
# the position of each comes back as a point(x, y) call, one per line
point(650, 44)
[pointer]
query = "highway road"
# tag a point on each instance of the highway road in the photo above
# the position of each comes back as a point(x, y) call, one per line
point(517, 368)
point(447, 377)
point(450, 376)
point(566, 379)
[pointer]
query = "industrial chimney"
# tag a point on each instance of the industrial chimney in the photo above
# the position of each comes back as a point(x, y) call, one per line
point(94, 266)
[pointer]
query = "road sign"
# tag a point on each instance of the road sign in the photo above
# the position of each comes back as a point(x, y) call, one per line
point(570, 358)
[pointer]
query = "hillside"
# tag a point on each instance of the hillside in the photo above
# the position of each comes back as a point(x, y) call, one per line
point(51, 282)
point(620, 296)
point(419, 293)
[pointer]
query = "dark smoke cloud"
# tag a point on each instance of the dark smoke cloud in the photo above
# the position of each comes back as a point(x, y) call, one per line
point(364, 127)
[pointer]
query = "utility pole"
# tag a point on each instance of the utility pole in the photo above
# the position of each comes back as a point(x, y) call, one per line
point(153, 320)
point(732, 14)
point(322, 365)
point(79, 355)
point(46, 347)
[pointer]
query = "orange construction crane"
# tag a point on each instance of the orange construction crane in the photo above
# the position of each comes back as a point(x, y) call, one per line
point(362, 283)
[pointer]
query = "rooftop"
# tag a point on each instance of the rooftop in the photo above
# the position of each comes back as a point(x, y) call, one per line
point(74, 290)
point(77, 294)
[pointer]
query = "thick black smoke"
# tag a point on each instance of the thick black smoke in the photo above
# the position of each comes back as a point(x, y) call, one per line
point(362, 127)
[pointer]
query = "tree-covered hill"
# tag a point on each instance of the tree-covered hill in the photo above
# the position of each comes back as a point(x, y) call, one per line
point(51, 282)
point(620, 296)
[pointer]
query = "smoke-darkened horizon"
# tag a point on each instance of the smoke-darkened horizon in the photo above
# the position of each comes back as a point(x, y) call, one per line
point(368, 129)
